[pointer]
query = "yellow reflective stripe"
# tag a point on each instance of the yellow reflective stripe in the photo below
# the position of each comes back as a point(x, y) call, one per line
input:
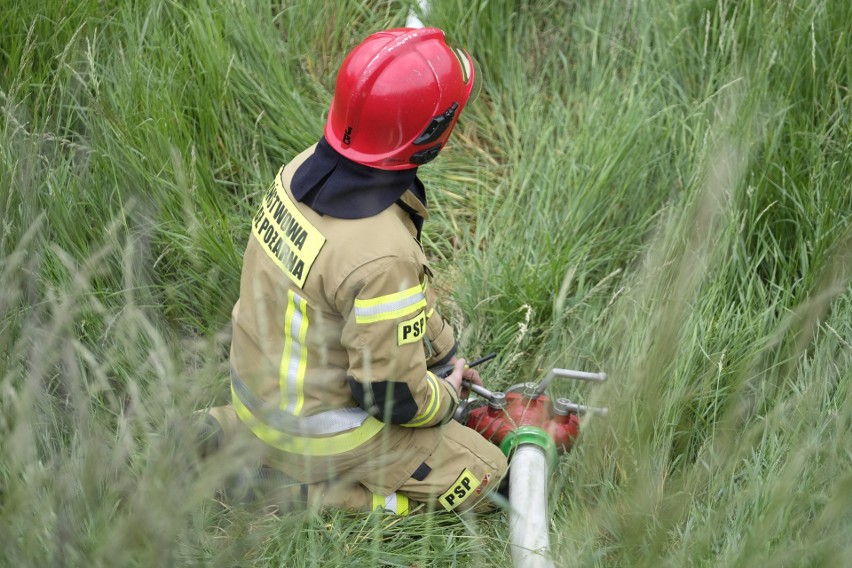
point(378, 502)
point(306, 446)
point(433, 405)
point(401, 504)
point(390, 306)
point(295, 355)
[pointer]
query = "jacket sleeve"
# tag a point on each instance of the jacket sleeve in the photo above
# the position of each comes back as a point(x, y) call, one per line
point(385, 309)
point(440, 342)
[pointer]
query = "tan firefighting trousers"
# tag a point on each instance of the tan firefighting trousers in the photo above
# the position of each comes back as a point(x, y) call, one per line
point(393, 471)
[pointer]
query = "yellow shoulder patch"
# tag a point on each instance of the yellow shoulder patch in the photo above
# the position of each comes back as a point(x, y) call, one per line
point(459, 491)
point(287, 237)
point(411, 330)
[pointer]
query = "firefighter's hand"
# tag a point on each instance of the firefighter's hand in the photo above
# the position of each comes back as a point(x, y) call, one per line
point(459, 373)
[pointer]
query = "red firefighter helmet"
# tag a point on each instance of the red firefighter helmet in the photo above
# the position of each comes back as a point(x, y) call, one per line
point(398, 95)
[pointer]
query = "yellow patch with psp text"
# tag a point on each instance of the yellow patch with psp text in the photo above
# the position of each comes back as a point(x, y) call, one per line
point(411, 330)
point(459, 491)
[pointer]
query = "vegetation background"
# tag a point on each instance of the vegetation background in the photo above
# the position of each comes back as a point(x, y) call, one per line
point(660, 190)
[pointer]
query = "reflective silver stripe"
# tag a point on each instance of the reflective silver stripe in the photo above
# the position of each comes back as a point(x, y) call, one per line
point(391, 306)
point(294, 359)
point(390, 502)
point(388, 307)
point(322, 424)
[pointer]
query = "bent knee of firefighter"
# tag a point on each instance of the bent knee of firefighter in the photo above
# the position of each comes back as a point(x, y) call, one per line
point(476, 480)
point(471, 491)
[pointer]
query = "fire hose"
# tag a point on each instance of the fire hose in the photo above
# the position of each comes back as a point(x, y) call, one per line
point(532, 430)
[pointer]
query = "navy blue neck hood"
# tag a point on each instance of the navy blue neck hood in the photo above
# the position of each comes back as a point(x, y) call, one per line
point(333, 185)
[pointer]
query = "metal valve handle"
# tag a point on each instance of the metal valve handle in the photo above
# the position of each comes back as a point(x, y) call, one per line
point(478, 389)
point(568, 374)
point(564, 406)
point(531, 389)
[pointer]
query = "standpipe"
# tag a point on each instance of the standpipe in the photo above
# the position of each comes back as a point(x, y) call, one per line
point(532, 430)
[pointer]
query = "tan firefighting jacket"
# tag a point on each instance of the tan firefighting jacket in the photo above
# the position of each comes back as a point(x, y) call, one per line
point(335, 327)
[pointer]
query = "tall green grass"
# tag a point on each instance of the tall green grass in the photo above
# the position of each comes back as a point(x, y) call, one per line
point(660, 190)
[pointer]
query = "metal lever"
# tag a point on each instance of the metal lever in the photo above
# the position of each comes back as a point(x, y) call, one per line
point(480, 390)
point(566, 406)
point(568, 374)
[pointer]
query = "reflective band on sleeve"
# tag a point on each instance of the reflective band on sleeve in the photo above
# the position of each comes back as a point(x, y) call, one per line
point(391, 306)
point(295, 355)
point(432, 406)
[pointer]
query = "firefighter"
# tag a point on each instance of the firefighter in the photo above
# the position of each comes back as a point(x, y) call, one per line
point(336, 326)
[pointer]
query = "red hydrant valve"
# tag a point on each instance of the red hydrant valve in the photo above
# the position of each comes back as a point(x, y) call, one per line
point(518, 411)
point(524, 413)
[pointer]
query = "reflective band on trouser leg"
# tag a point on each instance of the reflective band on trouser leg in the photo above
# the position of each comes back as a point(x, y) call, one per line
point(395, 503)
point(304, 445)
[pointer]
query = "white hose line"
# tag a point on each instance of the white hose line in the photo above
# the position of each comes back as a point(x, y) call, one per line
point(529, 528)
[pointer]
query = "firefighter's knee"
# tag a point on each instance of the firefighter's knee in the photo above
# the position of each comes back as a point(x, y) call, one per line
point(472, 470)
point(483, 500)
